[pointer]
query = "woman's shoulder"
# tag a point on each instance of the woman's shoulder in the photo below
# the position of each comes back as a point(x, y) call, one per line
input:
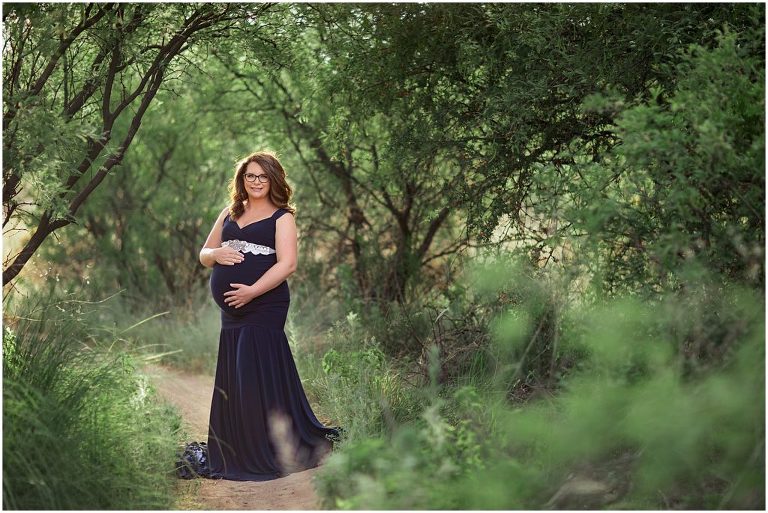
point(281, 211)
point(224, 215)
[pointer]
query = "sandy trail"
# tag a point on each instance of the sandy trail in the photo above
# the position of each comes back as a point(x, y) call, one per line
point(191, 394)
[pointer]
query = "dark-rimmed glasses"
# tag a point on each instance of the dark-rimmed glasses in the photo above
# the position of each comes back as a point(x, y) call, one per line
point(250, 177)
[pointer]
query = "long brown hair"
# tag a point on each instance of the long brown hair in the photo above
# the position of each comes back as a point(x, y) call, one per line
point(279, 191)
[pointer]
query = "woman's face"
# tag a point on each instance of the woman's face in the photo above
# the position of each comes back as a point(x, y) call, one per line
point(259, 187)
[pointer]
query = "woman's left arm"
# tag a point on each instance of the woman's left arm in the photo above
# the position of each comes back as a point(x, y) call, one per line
point(286, 250)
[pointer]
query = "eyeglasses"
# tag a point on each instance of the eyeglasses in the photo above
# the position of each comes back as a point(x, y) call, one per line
point(250, 177)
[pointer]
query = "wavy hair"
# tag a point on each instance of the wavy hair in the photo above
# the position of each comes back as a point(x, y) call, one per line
point(279, 191)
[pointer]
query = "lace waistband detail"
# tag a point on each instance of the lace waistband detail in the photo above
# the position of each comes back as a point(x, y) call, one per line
point(248, 247)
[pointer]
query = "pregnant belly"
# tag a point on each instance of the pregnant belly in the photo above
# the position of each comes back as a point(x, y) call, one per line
point(246, 272)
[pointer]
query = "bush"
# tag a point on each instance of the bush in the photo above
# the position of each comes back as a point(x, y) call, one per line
point(632, 427)
point(413, 468)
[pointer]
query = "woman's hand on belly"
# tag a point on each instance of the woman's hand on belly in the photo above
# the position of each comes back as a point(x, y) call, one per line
point(242, 295)
point(227, 256)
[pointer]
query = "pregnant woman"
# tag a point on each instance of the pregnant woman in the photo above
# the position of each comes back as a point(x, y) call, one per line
point(261, 425)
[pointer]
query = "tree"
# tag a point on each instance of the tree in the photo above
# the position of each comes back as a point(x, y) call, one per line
point(685, 191)
point(75, 97)
point(498, 87)
point(421, 120)
point(380, 215)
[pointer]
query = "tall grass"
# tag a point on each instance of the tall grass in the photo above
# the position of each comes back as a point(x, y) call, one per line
point(185, 336)
point(81, 429)
point(353, 383)
point(185, 339)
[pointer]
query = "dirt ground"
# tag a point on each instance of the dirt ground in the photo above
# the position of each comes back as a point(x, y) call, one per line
point(192, 395)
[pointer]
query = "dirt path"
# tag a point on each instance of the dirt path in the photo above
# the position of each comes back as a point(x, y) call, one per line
point(192, 395)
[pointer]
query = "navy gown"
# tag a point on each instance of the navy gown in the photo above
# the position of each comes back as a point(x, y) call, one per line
point(261, 425)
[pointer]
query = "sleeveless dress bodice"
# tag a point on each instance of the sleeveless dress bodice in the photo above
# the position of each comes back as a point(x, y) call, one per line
point(247, 272)
point(257, 232)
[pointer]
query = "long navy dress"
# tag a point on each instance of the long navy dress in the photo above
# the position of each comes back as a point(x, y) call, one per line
point(261, 425)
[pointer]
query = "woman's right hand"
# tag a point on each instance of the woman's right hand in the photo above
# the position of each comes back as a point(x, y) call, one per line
point(227, 256)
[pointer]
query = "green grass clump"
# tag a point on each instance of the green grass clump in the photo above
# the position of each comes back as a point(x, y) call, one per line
point(355, 384)
point(81, 428)
point(414, 465)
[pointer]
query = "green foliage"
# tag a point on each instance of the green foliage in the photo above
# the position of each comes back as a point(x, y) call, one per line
point(413, 468)
point(374, 473)
point(356, 384)
point(184, 337)
point(649, 418)
point(634, 395)
point(341, 364)
point(528, 350)
point(76, 96)
point(493, 90)
point(81, 430)
point(453, 320)
point(684, 192)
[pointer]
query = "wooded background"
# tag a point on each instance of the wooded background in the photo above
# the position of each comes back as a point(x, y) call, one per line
point(590, 154)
